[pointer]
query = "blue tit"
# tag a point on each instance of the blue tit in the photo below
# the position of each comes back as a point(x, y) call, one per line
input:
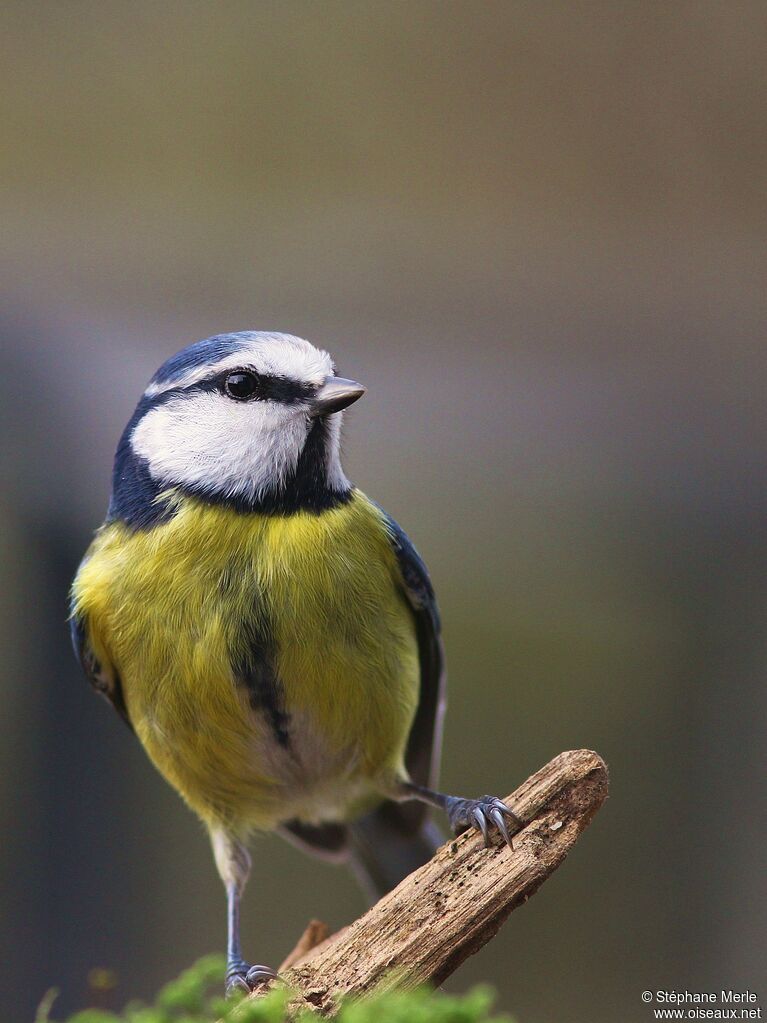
point(267, 631)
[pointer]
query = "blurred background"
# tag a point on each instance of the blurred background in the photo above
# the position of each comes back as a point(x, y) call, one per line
point(537, 233)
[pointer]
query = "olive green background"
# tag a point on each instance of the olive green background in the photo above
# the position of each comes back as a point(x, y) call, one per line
point(536, 232)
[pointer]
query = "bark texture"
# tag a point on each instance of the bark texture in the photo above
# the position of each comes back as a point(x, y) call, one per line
point(447, 910)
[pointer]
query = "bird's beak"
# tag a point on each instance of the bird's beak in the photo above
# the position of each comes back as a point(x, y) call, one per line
point(334, 395)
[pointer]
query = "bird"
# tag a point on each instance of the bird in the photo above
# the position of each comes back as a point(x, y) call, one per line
point(268, 632)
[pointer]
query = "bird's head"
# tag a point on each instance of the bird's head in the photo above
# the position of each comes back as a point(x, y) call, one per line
point(249, 419)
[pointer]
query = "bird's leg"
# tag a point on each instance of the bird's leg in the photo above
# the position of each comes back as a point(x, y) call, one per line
point(484, 813)
point(233, 862)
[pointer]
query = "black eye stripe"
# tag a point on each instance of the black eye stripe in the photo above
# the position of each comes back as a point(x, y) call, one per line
point(270, 388)
point(282, 389)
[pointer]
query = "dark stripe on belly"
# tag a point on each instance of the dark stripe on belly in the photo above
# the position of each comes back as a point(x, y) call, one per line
point(255, 670)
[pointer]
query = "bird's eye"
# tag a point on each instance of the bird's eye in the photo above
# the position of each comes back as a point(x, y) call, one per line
point(241, 385)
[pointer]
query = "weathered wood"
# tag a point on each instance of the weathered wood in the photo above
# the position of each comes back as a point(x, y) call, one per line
point(447, 910)
point(314, 934)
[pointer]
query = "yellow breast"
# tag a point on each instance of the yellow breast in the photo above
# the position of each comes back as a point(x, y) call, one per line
point(172, 608)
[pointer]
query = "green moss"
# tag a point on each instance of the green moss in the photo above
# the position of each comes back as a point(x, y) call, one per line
point(194, 997)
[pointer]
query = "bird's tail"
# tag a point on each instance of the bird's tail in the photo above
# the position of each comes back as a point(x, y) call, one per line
point(388, 844)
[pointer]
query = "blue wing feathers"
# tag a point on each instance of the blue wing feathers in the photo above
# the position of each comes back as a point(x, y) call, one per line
point(423, 750)
point(106, 684)
point(415, 575)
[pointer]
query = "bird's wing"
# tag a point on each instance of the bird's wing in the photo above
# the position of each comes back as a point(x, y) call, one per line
point(425, 741)
point(102, 676)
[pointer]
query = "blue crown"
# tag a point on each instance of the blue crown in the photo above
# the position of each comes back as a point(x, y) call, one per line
point(209, 350)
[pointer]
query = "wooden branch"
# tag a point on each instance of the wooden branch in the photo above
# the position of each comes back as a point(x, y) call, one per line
point(448, 909)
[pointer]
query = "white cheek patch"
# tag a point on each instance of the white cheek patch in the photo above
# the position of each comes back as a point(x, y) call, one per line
point(206, 440)
point(335, 475)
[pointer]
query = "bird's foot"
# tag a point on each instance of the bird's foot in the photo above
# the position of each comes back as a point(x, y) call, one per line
point(241, 977)
point(487, 813)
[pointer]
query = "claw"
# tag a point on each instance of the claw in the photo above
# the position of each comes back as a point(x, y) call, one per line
point(497, 818)
point(236, 983)
point(481, 822)
point(258, 975)
point(486, 813)
point(516, 821)
point(244, 978)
